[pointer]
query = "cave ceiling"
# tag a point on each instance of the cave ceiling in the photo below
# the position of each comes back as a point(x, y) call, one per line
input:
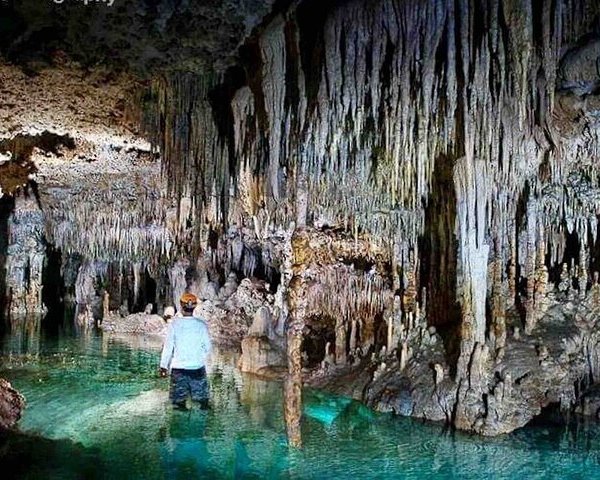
point(144, 36)
point(69, 71)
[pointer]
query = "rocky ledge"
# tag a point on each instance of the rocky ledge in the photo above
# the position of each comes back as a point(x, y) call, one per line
point(11, 405)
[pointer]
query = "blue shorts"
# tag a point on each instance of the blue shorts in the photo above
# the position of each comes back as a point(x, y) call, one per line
point(188, 382)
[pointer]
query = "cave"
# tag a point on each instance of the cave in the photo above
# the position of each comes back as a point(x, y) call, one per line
point(348, 223)
point(319, 333)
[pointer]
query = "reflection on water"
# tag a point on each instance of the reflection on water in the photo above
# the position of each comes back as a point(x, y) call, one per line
point(107, 413)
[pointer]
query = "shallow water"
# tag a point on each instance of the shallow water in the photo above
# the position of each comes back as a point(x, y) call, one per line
point(99, 401)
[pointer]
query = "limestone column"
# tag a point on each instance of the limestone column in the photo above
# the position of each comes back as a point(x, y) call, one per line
point(25, 257)
point(533, 234)
point(472, 185)
point(298, 253)
point(498, 302)
point(340, 341)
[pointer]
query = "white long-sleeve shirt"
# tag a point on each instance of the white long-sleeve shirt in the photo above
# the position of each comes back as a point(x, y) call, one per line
point(187, 344)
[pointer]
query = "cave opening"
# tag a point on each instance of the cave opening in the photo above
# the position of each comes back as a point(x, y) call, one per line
point(150, 290)
point(318, 331)
point(552, 415)
point(252, 264)
point(594, 243)
point(439, 261)
point(53, 289)
point(146, 293)
point(570, 258)
point(380, 329)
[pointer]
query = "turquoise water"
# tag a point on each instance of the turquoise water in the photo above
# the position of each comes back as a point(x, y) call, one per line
point(99, 411)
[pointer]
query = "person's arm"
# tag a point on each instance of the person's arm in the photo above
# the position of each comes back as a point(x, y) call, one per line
point(168, 349)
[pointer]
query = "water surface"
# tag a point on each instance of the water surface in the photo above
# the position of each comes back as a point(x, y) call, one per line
point(102, 412)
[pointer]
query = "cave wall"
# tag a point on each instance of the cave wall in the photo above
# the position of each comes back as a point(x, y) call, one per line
point(357, 103)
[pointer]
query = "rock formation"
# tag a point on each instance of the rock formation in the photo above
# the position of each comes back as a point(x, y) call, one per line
point(11, 405)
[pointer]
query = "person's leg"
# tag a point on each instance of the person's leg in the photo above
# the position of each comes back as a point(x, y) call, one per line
point(199, 387)
point(179, 388)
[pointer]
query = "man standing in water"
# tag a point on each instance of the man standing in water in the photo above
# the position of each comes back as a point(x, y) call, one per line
point(185, 352)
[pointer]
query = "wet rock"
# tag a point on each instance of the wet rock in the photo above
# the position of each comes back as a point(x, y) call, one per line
point(138, 323)
point(262, 357)
point(210, 291)
point(262, 323)
point(12, 404)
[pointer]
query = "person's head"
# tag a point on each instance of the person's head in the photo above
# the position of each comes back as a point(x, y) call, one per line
point(188, 302)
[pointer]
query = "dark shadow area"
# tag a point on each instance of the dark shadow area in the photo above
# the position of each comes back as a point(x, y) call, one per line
point(520, 280)
point(28, 456)
point(594, 252)
point(311, 17)
point(150, 288)
point(6, 206)
point(254, 264)
point(53, 283)
point(570, 257)
point(551, 416)
point(146, 294)
point(319, 330)
point(439, 251)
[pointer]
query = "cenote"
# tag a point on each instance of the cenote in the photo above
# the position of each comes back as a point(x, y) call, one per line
point(97, 409)
point(383, 214)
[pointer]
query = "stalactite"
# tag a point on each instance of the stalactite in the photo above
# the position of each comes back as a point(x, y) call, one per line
point(119, 217)
point(399, 92)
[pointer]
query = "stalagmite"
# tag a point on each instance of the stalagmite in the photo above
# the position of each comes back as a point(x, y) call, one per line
point(404, 355)
point(353, 334)
point(390, 333)
point(565, 279)
point(340, 342)
point(105, 305)
point(25, 257)
point(438, 373)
